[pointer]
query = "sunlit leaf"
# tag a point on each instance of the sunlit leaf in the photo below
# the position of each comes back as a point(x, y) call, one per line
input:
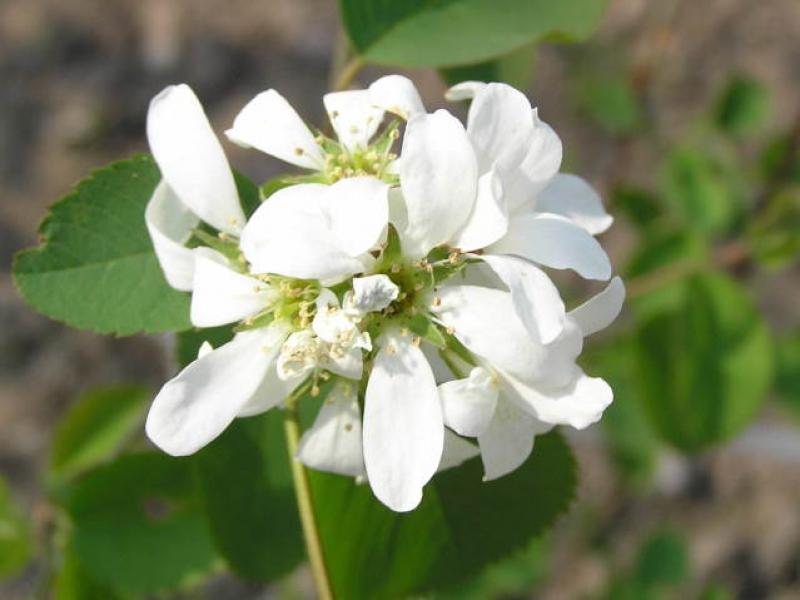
point(96, 268)
point(515, 69)
point(459, 32)
point(704, 366)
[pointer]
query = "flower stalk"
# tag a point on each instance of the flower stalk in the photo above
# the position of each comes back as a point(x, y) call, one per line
point(305, 506)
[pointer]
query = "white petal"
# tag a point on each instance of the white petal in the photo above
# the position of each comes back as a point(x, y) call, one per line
point(540, 165)
point(508, 441)
point(371, 294)
point(290, 235)
point(500, 126)
point(439, 180)
point(403, 428)
point(170, 225)
point(353, 116)
point(272, 391)
point(488, 221)
point(456, 451)
point(204, 349)
point(535, 297)
point(398, 95)
point(221, 295)
point(485, 321)
point(578, 404)
point(201, 401)
point(466, 90)
point(572, 197)
point(333, 443)
point(191, 158)
point(555, 242)
point(331, 323)
point(468, 404)
point(357, 209)
point(269, 123)
point(347, 363)
point(601, 310)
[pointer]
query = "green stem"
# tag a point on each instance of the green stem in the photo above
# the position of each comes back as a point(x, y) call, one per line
point(305, 506)
point(347, 74)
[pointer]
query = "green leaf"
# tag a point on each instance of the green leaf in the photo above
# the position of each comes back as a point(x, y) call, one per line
point(787, 376)
point(511, 578)
point(95, 427)
point(610, 101)
point(673, 255)
point(72, 582)
point(515, 69)
point(188, 342)
point(96, 268)
point(639, 205)
point(427, 329)
point(138, 526)
point(249, 499)
point(663, 560)
point(461, 526)
point(744, 106)
point(774, 236)
point(696, 188)
point(248, 193)
point(16, 537)
point(705, 365)
point(459, 32)
point(630, 437)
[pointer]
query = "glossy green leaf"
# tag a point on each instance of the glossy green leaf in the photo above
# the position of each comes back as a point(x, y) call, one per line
point(96, 268)
point(744, 106)
point(249, 499)
point(461, 526)
point(94, 428)
point(138, 526)
point(704, 366)
point(16, 537)
point(515, 69)
point(459, 32)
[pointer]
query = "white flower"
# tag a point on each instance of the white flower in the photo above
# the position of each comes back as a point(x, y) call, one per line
point(493, 187)
point(197, 183)
point(522, 387)
point(268, 123)
point(313, 231)
point(365, 251)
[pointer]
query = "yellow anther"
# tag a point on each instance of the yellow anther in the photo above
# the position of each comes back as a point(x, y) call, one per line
point(315, 391)
point(299, 151)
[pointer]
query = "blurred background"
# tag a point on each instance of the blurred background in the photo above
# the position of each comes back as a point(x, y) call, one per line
point(673, 110)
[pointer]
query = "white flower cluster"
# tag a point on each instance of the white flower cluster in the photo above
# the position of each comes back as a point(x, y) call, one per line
point(405, 288)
